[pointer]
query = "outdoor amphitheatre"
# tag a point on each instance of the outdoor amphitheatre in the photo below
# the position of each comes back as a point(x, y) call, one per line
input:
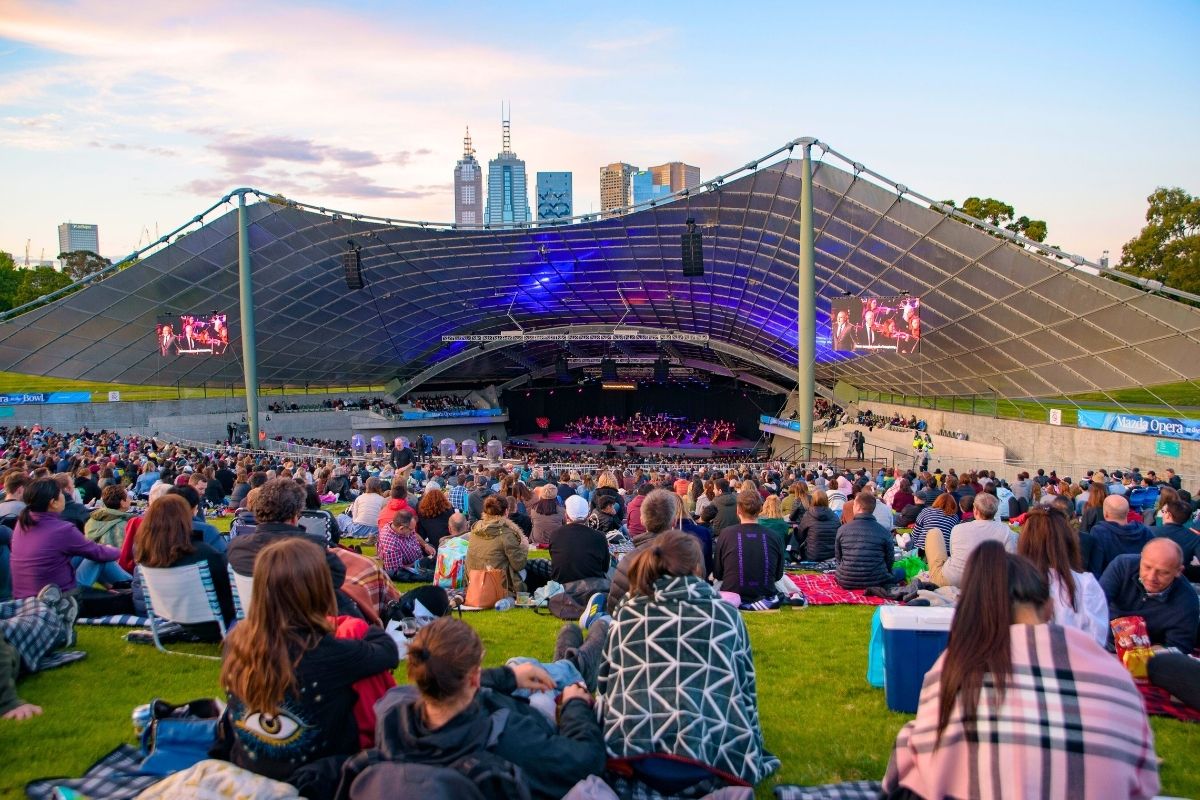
point(840, 358)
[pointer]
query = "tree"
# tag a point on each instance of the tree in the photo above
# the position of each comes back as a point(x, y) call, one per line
point(38, 282)
point(10, 278)
point(1002, 215)
point(1168, 248)
point(81, 263)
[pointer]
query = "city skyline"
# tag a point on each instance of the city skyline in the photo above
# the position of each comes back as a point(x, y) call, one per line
point(135, 115)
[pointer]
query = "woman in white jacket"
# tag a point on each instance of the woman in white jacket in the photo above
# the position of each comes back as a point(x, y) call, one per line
point(1048, 541)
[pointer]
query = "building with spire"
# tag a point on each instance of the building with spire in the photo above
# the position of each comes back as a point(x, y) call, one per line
point(508, 196)
point(468, 186)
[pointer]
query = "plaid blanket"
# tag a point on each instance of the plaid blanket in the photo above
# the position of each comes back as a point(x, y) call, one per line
point(113, 777)
point(32, 628)
point(823, 590)
point(116, 620)
point(853, 790)
point(1159, 703)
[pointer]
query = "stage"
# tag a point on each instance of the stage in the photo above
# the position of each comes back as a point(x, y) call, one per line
point(564, 441)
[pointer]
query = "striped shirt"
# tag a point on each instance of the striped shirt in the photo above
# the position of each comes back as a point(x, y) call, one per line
point(932, 519)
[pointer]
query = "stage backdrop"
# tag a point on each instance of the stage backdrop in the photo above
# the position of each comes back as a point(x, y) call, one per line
point(567, 404)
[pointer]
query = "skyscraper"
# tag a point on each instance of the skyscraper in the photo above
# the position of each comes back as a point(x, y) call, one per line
point(508, 198)
point(644, 187)
point(74, 236)
point(468, 186)
point(554, 195)
point(677, 175)
point(615, 188)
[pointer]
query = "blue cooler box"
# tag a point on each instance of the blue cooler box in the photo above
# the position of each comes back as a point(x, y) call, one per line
point(913, 638)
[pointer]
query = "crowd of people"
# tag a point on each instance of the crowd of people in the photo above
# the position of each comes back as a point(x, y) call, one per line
point(441, 402)
point(871, 419)
point(1038, 569)
point(665, 428)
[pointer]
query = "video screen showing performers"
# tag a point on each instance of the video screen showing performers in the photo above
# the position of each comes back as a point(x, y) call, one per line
point(193, 335)
point(866, 324)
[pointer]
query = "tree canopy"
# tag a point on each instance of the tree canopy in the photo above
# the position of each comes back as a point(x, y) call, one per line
point(1002, 215)
point(23, 285)
point(1168, 248)
point(81, 263)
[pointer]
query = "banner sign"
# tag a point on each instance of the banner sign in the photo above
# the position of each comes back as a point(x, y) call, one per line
point(1172, 427)
point(38, 398)
point(470, 412)
point(790, 424)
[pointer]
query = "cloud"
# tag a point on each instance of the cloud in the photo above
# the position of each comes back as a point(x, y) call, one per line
point(166, 152)
point(42, 122)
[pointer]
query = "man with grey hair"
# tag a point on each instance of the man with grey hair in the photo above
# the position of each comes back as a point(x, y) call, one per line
point(459, 525)
point(658, 512)
point(966, 536)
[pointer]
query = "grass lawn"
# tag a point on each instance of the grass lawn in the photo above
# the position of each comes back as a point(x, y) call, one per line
point(818, 713)
point(12, 382)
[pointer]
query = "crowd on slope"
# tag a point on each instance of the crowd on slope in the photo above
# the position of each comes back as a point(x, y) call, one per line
point(1035, 570)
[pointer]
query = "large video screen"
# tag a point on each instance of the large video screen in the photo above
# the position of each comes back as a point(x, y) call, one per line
point(194, 335)
point(869, 324)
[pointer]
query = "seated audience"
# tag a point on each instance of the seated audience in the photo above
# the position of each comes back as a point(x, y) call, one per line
point(366, 508)
point(947, 570)
point(649, 681)
point(634, 523)
point(433, 516)
point(498, 543)
point(291, 682)
point(817, 533)
point(773, 520)
point(659, 511)
point(1151, 585)
point(864, 549)
point(545, 514)
point(397, 500)
point(1175, 526)
point(1115, 535)
point(577, 551)
point(1050, 545)
point(1001, 645)
point(941, 517)
point(400, 546)
point(748, 557)
point(165, 539)
point(106, 526)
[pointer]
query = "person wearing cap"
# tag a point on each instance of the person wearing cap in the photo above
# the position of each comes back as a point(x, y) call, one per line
point(576, 550)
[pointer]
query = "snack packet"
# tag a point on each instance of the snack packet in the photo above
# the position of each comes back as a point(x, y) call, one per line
point(1133, 644)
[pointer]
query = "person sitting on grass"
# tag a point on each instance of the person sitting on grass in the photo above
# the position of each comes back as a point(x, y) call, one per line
point(659, 692)
point(748, 557)
point(433, 516)
point(1151, 585)
point(864, 549)
point(773, 520)
point(659, 511)
point(1050, 544)
point(400, 547)
point(166, 539)
point(449, 712)
point(498, 543)
point(290, 681)
point(817, 530)
point(1083, 734)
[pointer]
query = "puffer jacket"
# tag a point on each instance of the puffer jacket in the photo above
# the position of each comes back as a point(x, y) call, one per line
point(817, 533)
point(107, 526)
point(546, 517)
point(496, 542)
point(865, 552)
point(726, 512)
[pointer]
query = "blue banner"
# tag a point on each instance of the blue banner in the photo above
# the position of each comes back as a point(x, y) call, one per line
point(38, 398)
point(470, 412)
point(1171, 427)
point(790, 424)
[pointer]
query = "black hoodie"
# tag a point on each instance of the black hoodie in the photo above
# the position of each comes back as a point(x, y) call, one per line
point(552, 762)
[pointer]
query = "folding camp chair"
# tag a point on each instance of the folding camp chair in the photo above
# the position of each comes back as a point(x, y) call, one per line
point(184, 595)
point(242, 586)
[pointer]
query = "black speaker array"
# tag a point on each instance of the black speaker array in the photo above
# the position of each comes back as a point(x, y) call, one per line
point(352, 263)
point(608, 369)
point(693, 254)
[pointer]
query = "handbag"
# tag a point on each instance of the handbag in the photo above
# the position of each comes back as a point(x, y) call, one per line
point(485, 587)
point(178, 737)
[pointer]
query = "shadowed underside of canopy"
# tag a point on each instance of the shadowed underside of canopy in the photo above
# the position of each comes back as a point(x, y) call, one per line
point(996, 318)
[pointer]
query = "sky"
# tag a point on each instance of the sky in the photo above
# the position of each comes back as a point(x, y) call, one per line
point(137, 116)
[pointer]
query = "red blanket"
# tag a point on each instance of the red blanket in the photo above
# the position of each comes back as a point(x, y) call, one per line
point(1159, 703)
point(369, 689)
point(823, 590)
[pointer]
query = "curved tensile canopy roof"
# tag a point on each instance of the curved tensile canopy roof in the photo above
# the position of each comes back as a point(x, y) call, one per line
point(997, 317)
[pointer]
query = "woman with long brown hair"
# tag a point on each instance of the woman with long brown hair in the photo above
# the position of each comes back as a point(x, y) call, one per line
point(433, 516)
point(1018, 706)
point(288, 678)
point(1050, 545)
point(1093, 507)
point(165, 539)
point(651, 635)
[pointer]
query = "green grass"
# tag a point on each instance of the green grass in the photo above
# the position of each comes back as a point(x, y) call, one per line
point(818, 713)
point(15, 382)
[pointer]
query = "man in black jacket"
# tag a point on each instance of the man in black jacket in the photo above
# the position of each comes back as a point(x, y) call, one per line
point(726, 505)
point(864, 549)
point(748, 558)
point(1175, 528)
point(577, 551)
point(277, 508)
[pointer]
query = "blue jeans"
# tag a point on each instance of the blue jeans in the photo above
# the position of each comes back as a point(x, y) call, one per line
point(564, 673)
point(88, 572)
point(5, 574)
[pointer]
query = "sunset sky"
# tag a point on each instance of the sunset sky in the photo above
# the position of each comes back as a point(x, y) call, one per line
point(136, 115)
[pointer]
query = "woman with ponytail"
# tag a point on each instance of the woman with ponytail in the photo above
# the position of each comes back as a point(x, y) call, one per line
point(678, 676)
point(289, 678)
point(1018, 706)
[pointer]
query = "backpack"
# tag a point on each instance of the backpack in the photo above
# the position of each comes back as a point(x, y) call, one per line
point(569, 603)
point(450, 572)
point(375, 774)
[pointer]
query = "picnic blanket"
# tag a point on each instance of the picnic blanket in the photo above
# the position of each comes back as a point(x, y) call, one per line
point(114, 777)
point(815, 566)
point(851, 790)
point(117, 620)
point(1159, 703)
point(823, 590)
